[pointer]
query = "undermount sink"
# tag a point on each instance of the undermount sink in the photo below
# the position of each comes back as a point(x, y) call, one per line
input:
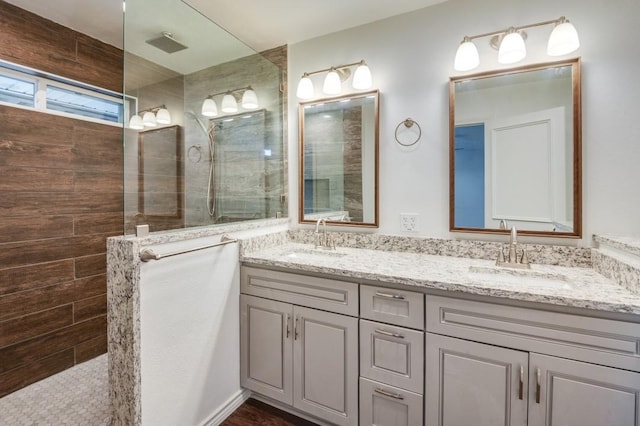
point(314, 253)
point(524, 277)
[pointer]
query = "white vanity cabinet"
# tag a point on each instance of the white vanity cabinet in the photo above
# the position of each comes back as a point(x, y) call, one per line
point(300, 356)
point(391, 357)
point(508, 365)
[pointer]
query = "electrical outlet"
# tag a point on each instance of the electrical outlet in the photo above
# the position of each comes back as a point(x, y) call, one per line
point(409, 222)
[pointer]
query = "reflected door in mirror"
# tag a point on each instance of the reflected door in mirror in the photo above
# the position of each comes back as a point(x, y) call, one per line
point(515, 150)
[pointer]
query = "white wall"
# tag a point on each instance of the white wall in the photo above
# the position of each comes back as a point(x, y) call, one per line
point(411, 59)
point(190, 333)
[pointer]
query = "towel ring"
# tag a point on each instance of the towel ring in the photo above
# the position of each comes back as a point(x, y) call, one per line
point(194, 158)
point(408, 123)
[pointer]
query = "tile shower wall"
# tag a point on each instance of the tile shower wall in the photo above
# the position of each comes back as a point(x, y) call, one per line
point(60, 198)
point(333, 163)
point(249, 179)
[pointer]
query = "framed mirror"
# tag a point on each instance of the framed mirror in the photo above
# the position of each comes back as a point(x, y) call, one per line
point(160, 177)
point(515, 151)
point(338, 160)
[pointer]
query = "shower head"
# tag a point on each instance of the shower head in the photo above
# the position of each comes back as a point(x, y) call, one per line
point(167, 43)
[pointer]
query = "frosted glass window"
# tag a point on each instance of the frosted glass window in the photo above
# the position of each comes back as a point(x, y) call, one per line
point(17, 91)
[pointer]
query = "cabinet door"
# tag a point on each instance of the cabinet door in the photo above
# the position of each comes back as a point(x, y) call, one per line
point(326, 365)
point(384, 405)
point(266, 347)
point(470, 383)
point(573, 393)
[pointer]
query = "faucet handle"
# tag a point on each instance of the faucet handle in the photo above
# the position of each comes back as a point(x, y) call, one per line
point(525, 259)
point(500, 256)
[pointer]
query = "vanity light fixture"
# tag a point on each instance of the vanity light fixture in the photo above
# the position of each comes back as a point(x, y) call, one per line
point(511, 44)
point(150, 117)
point(229, 105)
point(333, 80)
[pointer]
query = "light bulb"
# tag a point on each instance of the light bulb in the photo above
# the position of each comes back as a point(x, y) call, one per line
point(563, 39)
point(249, 99)
point(149, 119)
point(136, 123)
point(209, 108)
point(163, 116)
point(362, 77)
point(512, 48)
point(229, 104)
point(332, 84)
point(467, 56)
point(305, 88)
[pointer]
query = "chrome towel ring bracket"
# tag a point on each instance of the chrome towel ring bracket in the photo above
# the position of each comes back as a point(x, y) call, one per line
point(408, 124)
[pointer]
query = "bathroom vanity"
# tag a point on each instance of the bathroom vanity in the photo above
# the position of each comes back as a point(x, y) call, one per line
point(357, 336)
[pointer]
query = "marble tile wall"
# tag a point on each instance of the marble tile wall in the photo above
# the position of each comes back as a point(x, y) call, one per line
point(249, 166)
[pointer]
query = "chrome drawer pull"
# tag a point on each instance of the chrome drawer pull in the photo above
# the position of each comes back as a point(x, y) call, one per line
point(288, 320)
point(538, 390)
point(389, 394)
point(521, 384)
point(389, 333)
point(390, 296)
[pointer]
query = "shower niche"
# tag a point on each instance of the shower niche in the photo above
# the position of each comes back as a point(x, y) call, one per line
point(231, 165)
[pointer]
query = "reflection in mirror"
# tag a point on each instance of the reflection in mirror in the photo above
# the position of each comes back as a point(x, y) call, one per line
point(338, 162)
point(160, 177)
point(515, 150)
point(233, 168)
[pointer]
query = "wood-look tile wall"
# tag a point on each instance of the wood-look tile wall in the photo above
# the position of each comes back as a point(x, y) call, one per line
point(60, 198)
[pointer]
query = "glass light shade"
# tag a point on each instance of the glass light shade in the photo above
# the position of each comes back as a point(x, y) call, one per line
point(332, 84)
point(362, 77)
point(305, 88)
point(229, 104)
point(163, 116)
point(209, 108)
point(467, 57)
point(149, 119)
point(563, 39)
point(249, 99)
point(512, 48)
point(136, 123)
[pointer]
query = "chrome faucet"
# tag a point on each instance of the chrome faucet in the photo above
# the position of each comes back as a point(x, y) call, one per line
point(512, 255)
point(323, 241)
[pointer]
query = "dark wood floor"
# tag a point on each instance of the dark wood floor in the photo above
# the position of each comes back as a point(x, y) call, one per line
point(254, 412)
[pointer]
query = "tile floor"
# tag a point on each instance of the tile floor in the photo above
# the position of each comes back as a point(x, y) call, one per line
point(77, 396)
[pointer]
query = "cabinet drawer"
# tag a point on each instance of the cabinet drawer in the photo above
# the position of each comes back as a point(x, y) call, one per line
point(597, 340)
point(384, 405)
point(321, 293)
point(392, 355)
point(399, 307)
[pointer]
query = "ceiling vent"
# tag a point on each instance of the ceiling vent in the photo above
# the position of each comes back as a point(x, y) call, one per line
point(167, 43)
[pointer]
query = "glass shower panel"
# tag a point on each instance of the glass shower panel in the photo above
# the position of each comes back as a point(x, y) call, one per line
point(231, 166)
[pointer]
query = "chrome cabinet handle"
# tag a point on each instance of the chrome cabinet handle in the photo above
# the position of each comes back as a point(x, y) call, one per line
point(389, 333)
point(389, 394)
point(295, 329)
point(521, 384)
point(390, 296)
point(288, 326)
point(537, 386)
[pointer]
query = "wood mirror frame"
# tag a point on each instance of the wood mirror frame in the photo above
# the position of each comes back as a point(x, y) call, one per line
point(160, 163)
point(489, 156)
point(354, 209)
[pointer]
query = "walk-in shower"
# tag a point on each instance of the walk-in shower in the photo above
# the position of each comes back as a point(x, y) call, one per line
point(232, 165)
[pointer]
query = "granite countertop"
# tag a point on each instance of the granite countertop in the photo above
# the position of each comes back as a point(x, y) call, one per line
point(557, 285)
